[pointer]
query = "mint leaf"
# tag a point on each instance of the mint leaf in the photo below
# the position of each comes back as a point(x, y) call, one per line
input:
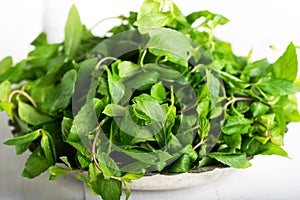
point(278, 86)
point(109, 189)
point(114, 110)
point(5, 90)
point(162, 43)
point(28, 138)
point(150, 106)
point(31, 115)
point(116, 87)
point(61, 96)
point(57, 171)
point(286, 67)
point(5, 64)
point(73, 33)
point(48, 147)
point(108, 166)
point(150, 16)
point(236, 125)
point(235, 160)
point(35, 164)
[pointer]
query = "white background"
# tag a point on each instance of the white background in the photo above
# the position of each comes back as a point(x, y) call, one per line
point(253, 25)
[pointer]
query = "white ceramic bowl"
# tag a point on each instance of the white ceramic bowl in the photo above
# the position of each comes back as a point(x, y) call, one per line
point(177, 181)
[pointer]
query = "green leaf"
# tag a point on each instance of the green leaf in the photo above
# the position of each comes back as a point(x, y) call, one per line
point(131, 132)
point(21, 148)
point(158, 92)
point(267, 120)
point(28, 138)
point(209, 16)
point(142, 80)
point(183, 164)
point(273, 149)
point(286, 67)
point(8, 108)
point(15, 74)
point(150, 107)
point(35, 164)
point(108, 166)
point(99, 106)
point(233, 81)
point(31, 115)
point(214, 86)
point(85, 122)
point(257, 69)
point(233, 141)
point(289, 106)
point(40, 40)
point(236, 125)
point(129, 177)
point(60, 97)
point(114, 110)
point(65, 160)
point(48, 147)
point(277, 86)
point(127, 191)
point(203, 101)
point(235, 160)
point(204, 127)
point(57, 171)
point(258, 108)
point(66, 125)
point(172, 44)
point(144, 157)
point(41, 55)
point(150, 16)
point(190, 151)
point(127, 69)
point(5, 91)
point(73, 33)
point(5, 64)
point(116, 88)
point(256, 147)
point(83, 161)
point(109, 189)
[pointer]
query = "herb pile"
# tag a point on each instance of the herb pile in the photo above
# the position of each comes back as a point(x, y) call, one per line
point(160, 94)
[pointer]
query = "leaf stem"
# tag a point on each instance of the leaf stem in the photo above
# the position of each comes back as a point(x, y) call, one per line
point(103, 60)
point(199, 144)
point(22, 93)
point(191, 129)
point(143, 57)
point(105, 19)
point(94, 154)
point(188, 109)
point(235, 99)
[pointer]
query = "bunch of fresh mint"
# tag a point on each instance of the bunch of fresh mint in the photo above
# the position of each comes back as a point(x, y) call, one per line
point(159, 94)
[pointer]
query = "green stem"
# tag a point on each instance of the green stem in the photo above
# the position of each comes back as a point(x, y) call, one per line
point(110, 141)
point(141, 62)
point(191, 129)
